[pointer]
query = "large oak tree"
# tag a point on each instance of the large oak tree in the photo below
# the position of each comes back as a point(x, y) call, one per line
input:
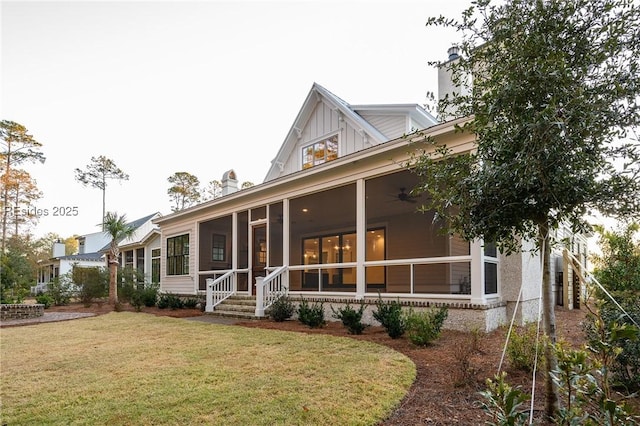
point(552, 96)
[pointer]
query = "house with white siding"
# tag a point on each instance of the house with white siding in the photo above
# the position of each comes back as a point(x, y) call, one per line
point(334, 221)
point(141, 251)
point(88, 256)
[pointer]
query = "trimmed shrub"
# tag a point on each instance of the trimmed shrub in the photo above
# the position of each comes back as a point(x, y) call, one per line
point(351, 318)
point(521, 347)
point(312, 316)
point(144, 296)
point(149, 295)
point(92, 283)
point(44, 299)
point(389, 315)
point(171, 301)
point(425, 326)
point(60, 290)
point(190, 303)
point(282, 309)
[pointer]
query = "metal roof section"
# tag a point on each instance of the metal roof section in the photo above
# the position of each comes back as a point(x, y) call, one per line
point(85, 256)
point(415, 111)
point(135, 224)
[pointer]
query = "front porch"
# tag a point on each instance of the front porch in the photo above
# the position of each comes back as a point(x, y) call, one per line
point(354, 240)
point(222, 292)
point(464, 316)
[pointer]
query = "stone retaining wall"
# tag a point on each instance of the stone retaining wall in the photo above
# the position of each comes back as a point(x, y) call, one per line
point(20, 311)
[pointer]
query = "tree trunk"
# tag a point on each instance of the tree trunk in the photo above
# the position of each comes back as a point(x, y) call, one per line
point(104, 199)
point(113, 282)
point(5, 197)
point(549, 321)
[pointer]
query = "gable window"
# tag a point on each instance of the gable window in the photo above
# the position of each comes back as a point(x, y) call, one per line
point(218, 249)
point(178, 255)
point(320, 152)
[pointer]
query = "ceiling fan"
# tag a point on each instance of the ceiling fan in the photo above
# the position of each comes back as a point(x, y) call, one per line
point(403, 196)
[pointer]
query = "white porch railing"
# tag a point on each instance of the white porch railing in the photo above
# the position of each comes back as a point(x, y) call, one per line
point(220, 289)
point(39, 288)
point(457, 290)
point(270, 288)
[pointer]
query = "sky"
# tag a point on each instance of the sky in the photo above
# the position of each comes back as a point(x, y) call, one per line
point(199, 87)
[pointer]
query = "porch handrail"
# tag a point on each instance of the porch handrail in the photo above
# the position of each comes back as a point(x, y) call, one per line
point(410, 262)
point(270, 288)
point(220, 289)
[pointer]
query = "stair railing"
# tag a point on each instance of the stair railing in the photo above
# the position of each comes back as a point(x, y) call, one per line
point(270, 288)
point(219, 289)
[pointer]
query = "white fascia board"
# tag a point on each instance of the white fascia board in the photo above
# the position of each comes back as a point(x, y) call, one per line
point(415, 111)
point(139, 242)
point(347, 110)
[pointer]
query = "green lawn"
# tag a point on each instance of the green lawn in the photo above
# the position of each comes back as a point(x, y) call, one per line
point(132, 368)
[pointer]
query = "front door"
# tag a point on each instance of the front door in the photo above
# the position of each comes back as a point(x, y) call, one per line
point(259, 259)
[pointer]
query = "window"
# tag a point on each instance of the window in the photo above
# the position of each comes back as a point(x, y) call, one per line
point(320, 152)
point(490, 278)
point(328, 249)
point(178, 255)
point(490, 249)
point(490, 268)
point(155, 265)
point(218, 249)
point(128, 259)
point(140, 260)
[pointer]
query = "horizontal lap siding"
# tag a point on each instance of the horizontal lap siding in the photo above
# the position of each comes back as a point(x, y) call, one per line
point(181, 284)
point(391, 126)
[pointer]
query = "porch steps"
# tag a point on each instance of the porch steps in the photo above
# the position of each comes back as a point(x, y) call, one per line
point(240, 307)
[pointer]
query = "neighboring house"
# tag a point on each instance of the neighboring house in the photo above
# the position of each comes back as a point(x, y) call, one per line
point(567, 287)
point(334, 221)
point(88, 256)
point(141, 250)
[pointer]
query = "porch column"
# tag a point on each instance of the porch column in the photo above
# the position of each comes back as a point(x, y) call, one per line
point(286, 240)
point(477, 272)
point(234, 250)
point(234, 239)
point(361, 238)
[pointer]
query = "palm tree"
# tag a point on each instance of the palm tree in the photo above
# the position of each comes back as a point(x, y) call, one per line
point(117, 229)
